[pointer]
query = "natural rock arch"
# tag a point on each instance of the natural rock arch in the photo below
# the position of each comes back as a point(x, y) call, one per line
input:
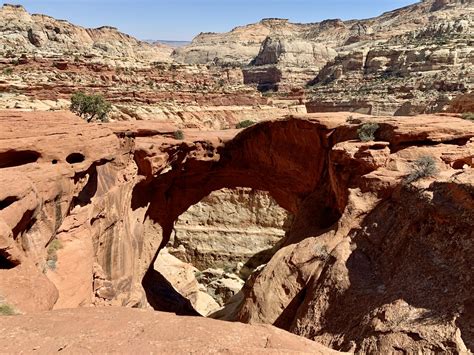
point(287, 158)
point(344, 285)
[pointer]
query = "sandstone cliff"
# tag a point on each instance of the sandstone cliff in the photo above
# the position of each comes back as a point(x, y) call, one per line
point(41, 35)
point(261, 37)
point(421, 71)
point(251, 219)
point(239, 46)
point(85, 208)
point(407, 61)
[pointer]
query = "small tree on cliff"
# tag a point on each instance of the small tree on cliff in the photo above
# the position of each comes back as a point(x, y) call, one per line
point(90, 107)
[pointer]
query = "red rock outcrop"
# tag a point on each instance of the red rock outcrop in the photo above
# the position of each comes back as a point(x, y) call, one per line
point(372, 262)
point(122, 330)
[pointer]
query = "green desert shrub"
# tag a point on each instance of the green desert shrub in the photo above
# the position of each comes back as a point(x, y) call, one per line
point(90, 107)
point(468, 116)
point(367, 131)
point(52, 251)
point(245, 124)
point(7, 310)
point(353, 120)
point(422, 167)
point(179, 134)
point(7, 71)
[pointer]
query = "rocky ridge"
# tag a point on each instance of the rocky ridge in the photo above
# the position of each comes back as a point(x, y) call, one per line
point(44, 36)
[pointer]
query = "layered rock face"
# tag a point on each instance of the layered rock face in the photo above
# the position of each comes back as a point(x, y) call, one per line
point(238, 47)
point(408, 61)
point(418, 72)
point(219, 242)
point(294, 59)
point(251, 219)
point(22, 33)
point(373, 262)
point(127, 72)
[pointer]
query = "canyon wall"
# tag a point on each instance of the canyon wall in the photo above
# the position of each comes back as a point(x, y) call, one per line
point(86, 207)
point(408, 61)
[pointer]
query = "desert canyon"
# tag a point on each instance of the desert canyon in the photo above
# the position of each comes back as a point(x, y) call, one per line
point(281, 188)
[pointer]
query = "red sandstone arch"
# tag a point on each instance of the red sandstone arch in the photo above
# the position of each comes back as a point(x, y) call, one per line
point(287, 158)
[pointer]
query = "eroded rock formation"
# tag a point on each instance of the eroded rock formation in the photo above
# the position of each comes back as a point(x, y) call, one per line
point(219, 242)
point(418, 72)
point(251, 219)
point(43, 35)
point(372, 262)
point(408, 61)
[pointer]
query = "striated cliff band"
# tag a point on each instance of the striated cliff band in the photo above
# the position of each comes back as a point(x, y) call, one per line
point(409, 61)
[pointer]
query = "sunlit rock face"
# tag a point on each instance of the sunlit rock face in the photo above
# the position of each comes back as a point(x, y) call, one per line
point(219, 241)
point(84, 209)
point(229, 227)
point(46, 36)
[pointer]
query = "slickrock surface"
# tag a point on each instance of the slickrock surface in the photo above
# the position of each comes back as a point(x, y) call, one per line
point(371, 263)
point(122, 330)
point(253, 220)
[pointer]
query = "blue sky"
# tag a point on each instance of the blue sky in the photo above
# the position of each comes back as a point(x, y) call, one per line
point(183, 19)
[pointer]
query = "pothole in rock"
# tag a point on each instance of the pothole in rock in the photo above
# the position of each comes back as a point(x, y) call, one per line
point(218, 243)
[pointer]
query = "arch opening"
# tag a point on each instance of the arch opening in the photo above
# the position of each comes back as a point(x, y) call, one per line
point(218, 243)
point(288, 158)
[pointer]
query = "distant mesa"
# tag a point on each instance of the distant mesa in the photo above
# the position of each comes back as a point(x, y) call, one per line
point(170, 43)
